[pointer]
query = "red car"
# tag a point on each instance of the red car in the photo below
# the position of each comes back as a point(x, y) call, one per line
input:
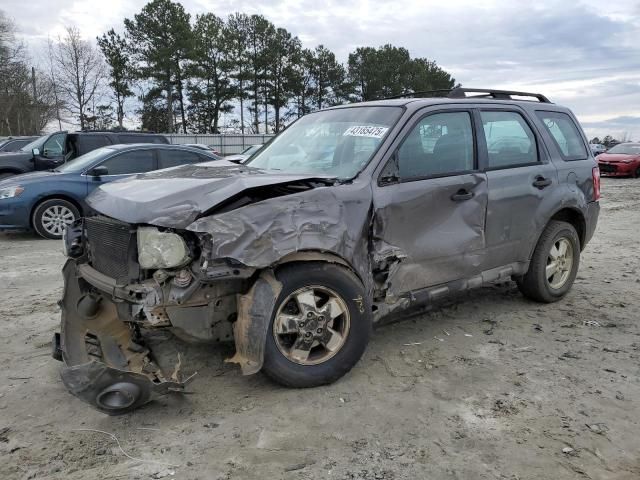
point(623, 160)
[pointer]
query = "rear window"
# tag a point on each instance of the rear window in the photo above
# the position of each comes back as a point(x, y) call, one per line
point(565, 134)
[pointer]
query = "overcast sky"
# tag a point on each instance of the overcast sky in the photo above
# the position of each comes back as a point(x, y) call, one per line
point(584, 54)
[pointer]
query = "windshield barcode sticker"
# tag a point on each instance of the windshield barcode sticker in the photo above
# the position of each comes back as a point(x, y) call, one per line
point(364, 131)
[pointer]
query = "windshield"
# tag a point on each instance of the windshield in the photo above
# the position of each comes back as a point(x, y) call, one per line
point(37, 143)
point(627, 149)
point(80, 164)
point(336, 143)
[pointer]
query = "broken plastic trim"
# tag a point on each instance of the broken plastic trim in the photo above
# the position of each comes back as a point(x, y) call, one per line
point(104, 366)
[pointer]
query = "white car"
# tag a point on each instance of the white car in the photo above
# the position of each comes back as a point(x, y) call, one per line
point(246, 153)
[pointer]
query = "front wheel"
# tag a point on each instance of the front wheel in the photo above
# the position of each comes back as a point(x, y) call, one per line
point(52, 216)
point(554, 264)
point(320, 326)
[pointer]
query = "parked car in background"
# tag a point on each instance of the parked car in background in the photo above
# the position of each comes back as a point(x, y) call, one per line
point(208, 148)
point(50, 151)
point(12, 144)
point(48, 201)
point(597, 148)
point(244, 155)
point(348, 216)
point(623, 160)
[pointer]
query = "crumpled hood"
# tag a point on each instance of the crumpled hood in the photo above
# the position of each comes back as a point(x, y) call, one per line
point(175, 197)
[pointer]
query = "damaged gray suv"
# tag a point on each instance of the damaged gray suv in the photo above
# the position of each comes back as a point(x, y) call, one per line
point(351, 215)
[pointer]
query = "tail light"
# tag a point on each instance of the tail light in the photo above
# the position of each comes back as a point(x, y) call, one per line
point(595, 173)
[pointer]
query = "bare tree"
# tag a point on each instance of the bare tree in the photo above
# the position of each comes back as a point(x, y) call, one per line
point(78, 70)
point(26, 103)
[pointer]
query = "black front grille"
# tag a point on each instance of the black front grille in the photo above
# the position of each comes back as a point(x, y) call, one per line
point(607, 168)
point(111, 244)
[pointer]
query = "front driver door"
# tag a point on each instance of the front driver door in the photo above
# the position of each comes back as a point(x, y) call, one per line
point(430, 205)
point(52, 153)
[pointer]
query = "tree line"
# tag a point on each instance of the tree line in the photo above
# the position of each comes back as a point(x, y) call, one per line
point(207, 74)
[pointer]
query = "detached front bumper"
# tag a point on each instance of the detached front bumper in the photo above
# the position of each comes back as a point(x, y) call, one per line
point(106, 364)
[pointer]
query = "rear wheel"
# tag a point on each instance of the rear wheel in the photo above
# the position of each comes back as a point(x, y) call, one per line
point(52, 216)
point(636, 174)
point(554, 264)
point(320, 326)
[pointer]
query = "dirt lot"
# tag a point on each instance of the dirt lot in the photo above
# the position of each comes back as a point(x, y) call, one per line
point(486, 386)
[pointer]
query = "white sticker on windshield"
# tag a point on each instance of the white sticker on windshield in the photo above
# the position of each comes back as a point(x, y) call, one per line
point(365, 131)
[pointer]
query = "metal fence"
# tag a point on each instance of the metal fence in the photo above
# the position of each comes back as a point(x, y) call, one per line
point(225, 144)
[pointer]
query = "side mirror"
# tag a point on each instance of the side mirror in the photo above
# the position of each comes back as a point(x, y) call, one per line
point(98, 171)
point(35, 152)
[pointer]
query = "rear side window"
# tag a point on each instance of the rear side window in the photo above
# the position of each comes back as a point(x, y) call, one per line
point(510, 141)
point(137, 138)
point(173, 158)
point(88, 143)
point(565, 134)
point(440, 144)
point(135, 161)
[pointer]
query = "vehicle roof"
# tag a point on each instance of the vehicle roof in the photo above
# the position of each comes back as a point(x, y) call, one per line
point(415, 103)
point(165, 146)
point(107, 132)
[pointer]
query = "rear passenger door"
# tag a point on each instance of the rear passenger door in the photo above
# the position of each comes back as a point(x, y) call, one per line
point(521, 180)
point(430, 203)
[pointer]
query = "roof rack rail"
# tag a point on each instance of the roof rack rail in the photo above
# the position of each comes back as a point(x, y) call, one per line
point(460, 92)
point(496, 94)
point(420, 94)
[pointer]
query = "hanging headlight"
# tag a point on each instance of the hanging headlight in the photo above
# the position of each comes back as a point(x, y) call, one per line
point(158, 249)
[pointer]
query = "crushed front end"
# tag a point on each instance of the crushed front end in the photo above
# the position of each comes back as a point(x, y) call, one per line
point(125, 286)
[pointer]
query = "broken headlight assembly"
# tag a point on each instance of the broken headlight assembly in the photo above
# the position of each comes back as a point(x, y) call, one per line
point(11, 192)
point(158, 249)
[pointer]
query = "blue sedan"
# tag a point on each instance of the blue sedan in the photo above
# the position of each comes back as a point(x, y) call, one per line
point(47, 201)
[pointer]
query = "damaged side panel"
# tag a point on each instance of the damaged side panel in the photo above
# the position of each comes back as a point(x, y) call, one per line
point(329, 219)
point(335, 220)
point(423, 237)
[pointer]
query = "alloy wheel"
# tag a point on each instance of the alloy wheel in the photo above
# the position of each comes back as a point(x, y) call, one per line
point(311, 325)
point(559, 263)
point(56, 218)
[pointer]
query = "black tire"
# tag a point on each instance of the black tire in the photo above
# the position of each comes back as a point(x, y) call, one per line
point(341, 281)
point(635, 175)
point(6, 175)
point(38, 220)
point(534, 284)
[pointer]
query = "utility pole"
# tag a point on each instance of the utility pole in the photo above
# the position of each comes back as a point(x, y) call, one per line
point(35, 101)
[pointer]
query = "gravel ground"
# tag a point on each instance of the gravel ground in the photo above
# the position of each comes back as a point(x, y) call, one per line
point(486, 386)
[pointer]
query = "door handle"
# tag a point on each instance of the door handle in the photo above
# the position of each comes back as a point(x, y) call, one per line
point(540, 182)
point(462, 195)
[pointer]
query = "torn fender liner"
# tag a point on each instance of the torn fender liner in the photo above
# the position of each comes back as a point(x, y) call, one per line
point(104, 364)
point(254, 316)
